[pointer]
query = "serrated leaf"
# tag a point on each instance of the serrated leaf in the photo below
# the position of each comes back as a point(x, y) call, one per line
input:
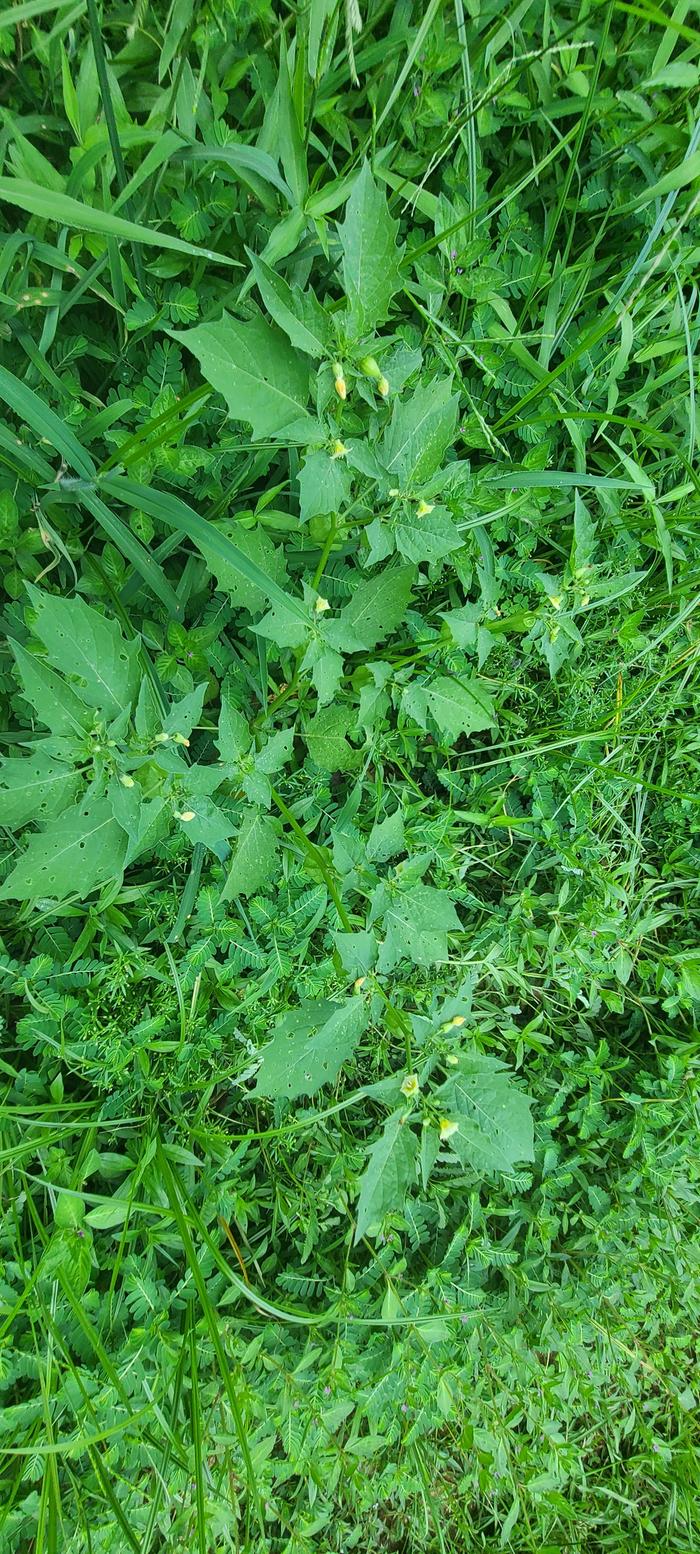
point(56, 705)
point(301, 1064)
point(326, 739)
point(428, 538)
point(255, 856)
point(257, 546)
point(421, 429)
point(371, 271)
point(184, 715)
point(83, 848)
point(459, 706)
point(386, 838)
point(389, 1173)
point(145, 821)
point(324, 485)
point(298, 313)
point(36, 788)
point(260, 376)
point(416, 925)
point(326, 668)
point(235, 738)
point(375, 608)
point(495, 1123)
point(88, 649)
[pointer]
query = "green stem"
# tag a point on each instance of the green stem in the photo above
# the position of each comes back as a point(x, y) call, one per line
point(314, 852)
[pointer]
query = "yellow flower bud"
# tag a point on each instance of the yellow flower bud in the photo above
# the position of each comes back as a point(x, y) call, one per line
point(161, 738)
point(358, 985)
point(179, 739)
point(126, 781)
point(341, 387)
point(185, 814)
point(383, 386)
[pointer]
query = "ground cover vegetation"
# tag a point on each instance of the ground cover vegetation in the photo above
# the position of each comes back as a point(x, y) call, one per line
point(349, 896)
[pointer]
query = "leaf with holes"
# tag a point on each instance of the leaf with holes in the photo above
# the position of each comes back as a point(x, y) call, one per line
point(302, 1063)
point(83, 848)
point(495, 1129)
point(255, 856)
point(89, 650)
point(36, 788)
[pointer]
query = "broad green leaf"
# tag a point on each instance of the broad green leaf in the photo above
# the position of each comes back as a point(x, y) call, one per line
point(459, 706)
point(388, 1175)
point(56, 704)
point(255, 856)
point(426, 538)
point(67, 212)
point(371, 270)
point(276, 751)
point(301, 1064)
point(235, 738)
point(326, 667)
point(386, 838)
point(184, 715)
point(284, 627)
point(89, 649)
point(416, 925)
point(297, 312)
point(326, 738)
point(260, 549)
point(494, 1115)
point(176, 514)
point(205, 822)
point(584, 538)
point(375, 608)
point(83, 848)
point(35, 788)
point(145, 821)
point(259, 374)
point(324, 485)
point(421, 429)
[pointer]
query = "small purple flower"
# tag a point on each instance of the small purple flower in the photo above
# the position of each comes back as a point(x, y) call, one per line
point(453, 253)
point(416, 91)
point(326, 1392)
point(464, 1320)
point(460, 271)
point(404, 1408)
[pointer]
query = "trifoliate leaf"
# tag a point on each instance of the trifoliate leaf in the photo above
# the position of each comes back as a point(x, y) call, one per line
point(300, 1064)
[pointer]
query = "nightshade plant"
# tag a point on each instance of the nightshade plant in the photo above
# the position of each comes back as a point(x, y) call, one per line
point(349, 904)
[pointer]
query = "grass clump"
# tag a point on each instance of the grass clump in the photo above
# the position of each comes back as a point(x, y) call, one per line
point(349, 903)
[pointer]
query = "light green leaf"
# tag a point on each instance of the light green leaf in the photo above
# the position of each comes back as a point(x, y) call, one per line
point(421, 429)
point(388, 1175)
point(89, 649)
point(235, 738)
point(326, 738)
point(259, 548)
point(208, 825)
point(495, 1123)
point(459, 706)
point(301, 1064)
point(324, 485)
point(386, 838)
point(428, 538)
point(276, 751)
point(184, 715)
point(255, 856)
point(145, 821)
point(36, 788)
point(83, 848)
point(375, 608)
point(260, 376)
point(297, 312)
point(416, 925)
point(371, 271)
point(55, 703)
point(326, 668)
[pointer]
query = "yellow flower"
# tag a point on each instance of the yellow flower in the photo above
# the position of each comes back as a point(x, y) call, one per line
point(185, 814)
point(341, 387)
point(338, 450)
point(447, 1128)
point(411, 1085)
point(358, 984)
point(424, 508)
point(126, 781)
point(179, 739)
point(555, 601)
point(321, 605)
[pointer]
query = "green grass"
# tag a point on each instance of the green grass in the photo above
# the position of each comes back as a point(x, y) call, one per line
point(349, 898)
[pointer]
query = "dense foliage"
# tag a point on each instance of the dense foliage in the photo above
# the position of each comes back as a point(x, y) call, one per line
point(349, 903)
